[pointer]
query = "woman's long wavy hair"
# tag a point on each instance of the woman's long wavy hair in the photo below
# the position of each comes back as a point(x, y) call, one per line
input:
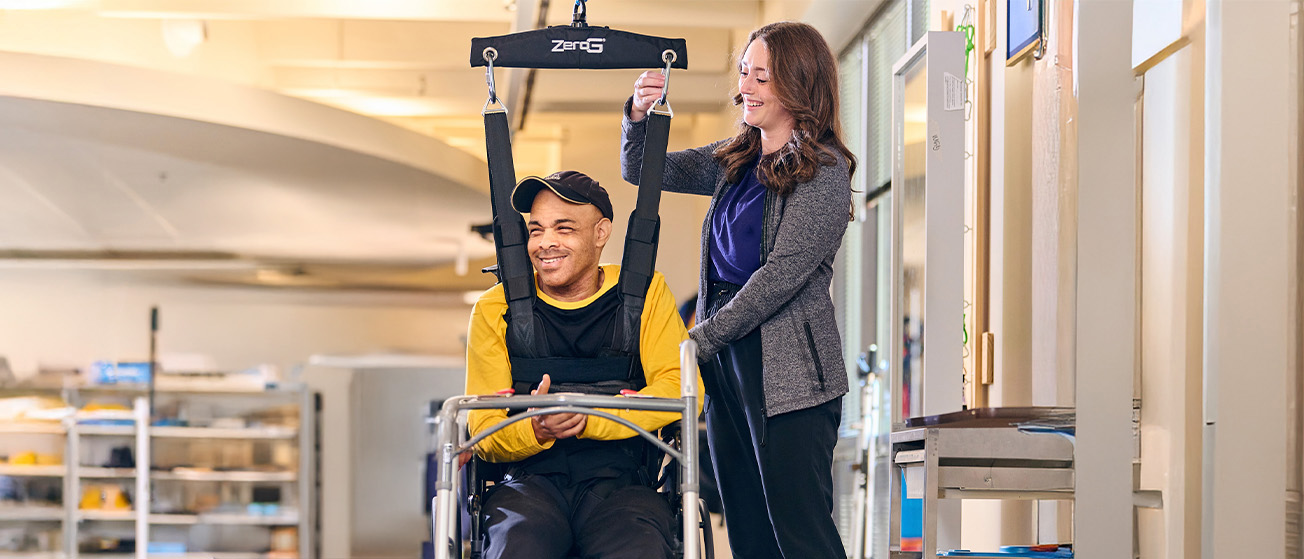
point(804, 76)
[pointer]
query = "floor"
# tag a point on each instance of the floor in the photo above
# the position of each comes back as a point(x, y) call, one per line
point(721, 538)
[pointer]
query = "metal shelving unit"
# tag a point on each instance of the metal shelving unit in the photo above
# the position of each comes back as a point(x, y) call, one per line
point(975, 454)
point(107, 515)
point(241, 476)
point(139, 432)
point(33, 471)
point(216, 433)
point(190, 555)
point(91, 472)
point(107, 430)
point(45, 436)
point(32, 555)
point(33, 428)
point(228, 519)
point(28, 513)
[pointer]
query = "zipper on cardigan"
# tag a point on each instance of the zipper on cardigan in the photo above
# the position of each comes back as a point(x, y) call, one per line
point(819, 369)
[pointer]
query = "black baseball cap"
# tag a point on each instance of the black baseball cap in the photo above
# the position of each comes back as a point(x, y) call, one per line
point(572, 186)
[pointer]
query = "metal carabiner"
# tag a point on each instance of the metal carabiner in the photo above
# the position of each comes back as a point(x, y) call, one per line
point(490, 54)
point(669, 57)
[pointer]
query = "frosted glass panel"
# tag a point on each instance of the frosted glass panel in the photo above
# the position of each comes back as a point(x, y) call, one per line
point(913, 236)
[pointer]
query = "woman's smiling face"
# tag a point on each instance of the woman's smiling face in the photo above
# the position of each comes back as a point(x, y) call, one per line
point(761, 106)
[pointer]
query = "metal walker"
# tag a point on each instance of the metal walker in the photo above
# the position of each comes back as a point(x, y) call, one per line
point(451, 439)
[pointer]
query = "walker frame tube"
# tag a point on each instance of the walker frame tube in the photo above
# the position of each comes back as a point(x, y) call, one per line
point(449, 437)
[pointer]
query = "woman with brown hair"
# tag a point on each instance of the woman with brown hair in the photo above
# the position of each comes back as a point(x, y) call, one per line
point(780, 195)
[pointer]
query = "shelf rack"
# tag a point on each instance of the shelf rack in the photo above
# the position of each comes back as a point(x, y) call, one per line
point(134, 424)
point(975, 454)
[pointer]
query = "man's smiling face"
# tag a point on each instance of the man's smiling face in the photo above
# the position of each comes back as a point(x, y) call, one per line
point(566, 241)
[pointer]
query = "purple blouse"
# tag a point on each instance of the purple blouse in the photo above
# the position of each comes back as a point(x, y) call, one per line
point(736, 231)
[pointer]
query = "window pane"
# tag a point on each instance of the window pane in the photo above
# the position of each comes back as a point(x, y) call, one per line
point(887, 42)
point(918, 19)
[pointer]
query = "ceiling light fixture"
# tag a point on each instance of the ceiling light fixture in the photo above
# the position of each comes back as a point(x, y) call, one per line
point(183, 36)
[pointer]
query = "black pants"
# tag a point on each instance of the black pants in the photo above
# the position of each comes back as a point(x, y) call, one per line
point(542, 517)
point(775, 474)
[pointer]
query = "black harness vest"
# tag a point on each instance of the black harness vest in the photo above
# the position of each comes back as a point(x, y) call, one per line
point(582, 355)
point(577, 348)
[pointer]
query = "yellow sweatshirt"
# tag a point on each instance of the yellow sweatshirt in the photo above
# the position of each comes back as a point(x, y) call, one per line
point(488, 369)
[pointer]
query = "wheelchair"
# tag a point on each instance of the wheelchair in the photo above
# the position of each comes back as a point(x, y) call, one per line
point(678, 484)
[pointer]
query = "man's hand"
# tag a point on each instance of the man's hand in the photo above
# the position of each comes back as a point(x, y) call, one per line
point(463, 458)
point(556, 426)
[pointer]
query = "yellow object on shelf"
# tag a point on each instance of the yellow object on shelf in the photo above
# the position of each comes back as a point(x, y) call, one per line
point(92, 498)
point(31, 458)
point(285, 539)
point(115, 498)
point(99, 406)
point(107, 497)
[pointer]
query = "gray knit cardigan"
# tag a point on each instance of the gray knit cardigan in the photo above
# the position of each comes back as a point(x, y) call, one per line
point(788, 297)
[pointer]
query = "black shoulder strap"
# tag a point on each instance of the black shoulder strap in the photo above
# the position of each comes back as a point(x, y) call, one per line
point(643, 233)
point(514, 270)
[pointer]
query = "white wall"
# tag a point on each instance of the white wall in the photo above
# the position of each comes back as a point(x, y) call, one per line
point(1171, 290)
point(1247, 229)
point(71, 318)
point(1106, 280)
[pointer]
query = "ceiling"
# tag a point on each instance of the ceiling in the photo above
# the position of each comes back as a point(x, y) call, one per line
point(322, 135)
point(401, 61)
point(290, 143)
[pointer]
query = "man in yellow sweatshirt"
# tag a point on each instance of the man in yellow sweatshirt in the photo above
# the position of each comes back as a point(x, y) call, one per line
point(573, 481)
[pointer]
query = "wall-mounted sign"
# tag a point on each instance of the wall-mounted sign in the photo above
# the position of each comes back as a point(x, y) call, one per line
point(1023, 29)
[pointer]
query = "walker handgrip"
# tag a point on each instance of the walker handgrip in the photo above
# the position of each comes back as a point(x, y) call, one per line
point(688, 368)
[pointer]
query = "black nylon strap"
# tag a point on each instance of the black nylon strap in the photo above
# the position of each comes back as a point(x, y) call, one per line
point(587, 48)
point(654, 165)
point(577, 370)
point(514, 269)
point(643, 232)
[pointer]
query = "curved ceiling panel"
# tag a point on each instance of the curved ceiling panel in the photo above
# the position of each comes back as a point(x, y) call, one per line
point(104, 157)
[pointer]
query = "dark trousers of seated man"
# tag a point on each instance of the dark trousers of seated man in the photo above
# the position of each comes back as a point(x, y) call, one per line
point(543, 514)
